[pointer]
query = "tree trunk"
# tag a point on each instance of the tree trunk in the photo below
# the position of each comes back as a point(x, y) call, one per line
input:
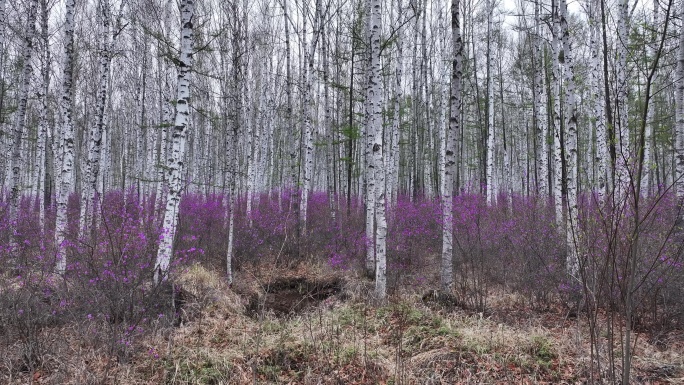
point(22, 101)
point(601, 160)
point(369, 176)
point(66, 147)
point(42, 94)
point(90, 194)
point(623, 155)
point(175, 161)
point(393, 156)
point(374, 110)
point(491, 143)
point(540, 109)
point(679, 122)
point(557, 150)
point(647, 177)
point(310, 109)
point(572, 217)
point(447, 268)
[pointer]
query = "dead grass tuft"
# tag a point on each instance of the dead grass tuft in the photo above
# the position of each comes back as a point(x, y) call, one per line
point(343, 338)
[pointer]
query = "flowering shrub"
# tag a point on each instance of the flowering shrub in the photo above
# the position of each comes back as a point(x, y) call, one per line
point(515, 244)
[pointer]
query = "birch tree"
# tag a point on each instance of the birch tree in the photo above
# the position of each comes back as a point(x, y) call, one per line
point(369, 175)
point(393, 154)
point(450, 156)
point(557, 149)
point(622, 136)
point(245, 109)
point(22, 102)
point(175, 157)
point(4, 145)
point(491, 139)
point(540, 110)
point(231, 91)
point(66, 147)
point(89, 194)
point(598, 101)
point(42, 95)
point(679, 117)
point(647, 177)
point(309, 110)
point(373, 103)
point(572, 217)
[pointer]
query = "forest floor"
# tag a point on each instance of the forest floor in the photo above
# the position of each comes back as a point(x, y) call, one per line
point(310, 325)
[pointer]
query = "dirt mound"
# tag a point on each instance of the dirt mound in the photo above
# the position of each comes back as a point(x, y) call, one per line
point(293, 294)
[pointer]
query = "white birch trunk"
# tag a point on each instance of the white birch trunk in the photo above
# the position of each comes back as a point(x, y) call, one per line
point(89, 194)
point(3, 22)
point(393, 172)
point(175, 160)
point(5, 145)
point(231, 146)
point(540, 107)
point(649, 166)
point(66, 148)
point(557, 153)
point(374, 109)
point(571, 159)
point(369, 164)
point(42, 94)
point(507, 137)
point(103, 175)
point(309, 111)
point(441, 87)
point(622, 130)
point(596, 86)
point(447, 273)
point(491, 144)
point(246, 114)
point(167, 112)
point(289, 122)
point(231, 233)
point(308, 149)
point(22, 101)
point(328, 128)
point(679, 123)
point(140, 132)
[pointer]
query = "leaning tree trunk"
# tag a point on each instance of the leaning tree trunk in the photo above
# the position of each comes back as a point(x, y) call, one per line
point(67, 139)
point(175, 160)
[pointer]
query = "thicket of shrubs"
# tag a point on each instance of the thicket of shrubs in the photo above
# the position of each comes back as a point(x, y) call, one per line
point(108, 294)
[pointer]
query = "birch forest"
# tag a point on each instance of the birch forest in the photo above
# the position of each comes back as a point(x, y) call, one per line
point(341, 191)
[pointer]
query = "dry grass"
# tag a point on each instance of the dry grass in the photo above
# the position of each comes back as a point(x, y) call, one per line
point(344, 339)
